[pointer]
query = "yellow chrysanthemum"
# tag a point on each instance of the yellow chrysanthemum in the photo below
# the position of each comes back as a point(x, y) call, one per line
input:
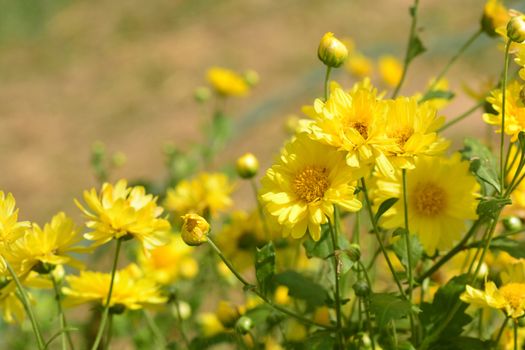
point(11, 306)
point(130, 289)
point(206, 193)
point(120, 211)
point(359, 65)
point(437, 207)
point(354, 122)
point(413, 127)
point(10, 228)
point(302, 188)
point(495, 15)
point(509, 297)
point(514, 110)
point(240, 237)
point(390, 70)
point(518, 195)
point(168, 263)
point(226, 82)
point(51, 245)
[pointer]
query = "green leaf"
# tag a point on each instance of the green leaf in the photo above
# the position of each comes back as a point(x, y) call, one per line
point(416, 250)
point(265, 266)
point(387, 307)
point(302, 287)
point(324, 249)
point(438, 94)
point(415, 49)
point(461, 343)
point(319, 341)
point(490, 207)
point(383, 207)
point(482, 163)
point(513, 247)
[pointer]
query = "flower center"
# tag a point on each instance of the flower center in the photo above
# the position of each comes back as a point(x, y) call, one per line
point(311, 183)
point(402, 135)
point(429, 199)
point(362, 128)
point(514, 294)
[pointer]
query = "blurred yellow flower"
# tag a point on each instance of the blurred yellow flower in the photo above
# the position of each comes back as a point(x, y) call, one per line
point(227, 313)
point(209, 324)
point(11, 306)
point(207, 193)
point(437, 207)
point(281, 295)
point(226, 82)
point(359, 65)
point(495, 15)
point(119, 211)
point(10, 228)
point(390, 70)
point(307, 181)
point(130, 289)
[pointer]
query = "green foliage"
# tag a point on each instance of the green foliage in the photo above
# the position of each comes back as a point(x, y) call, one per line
point(416, 249)
point(482, 164)
point(387, 307)
point(511, 246)
point(438, 94)
point(383, 207)
point(302, 287)
point(323, 249)
point(491, 207)
point(265, 266)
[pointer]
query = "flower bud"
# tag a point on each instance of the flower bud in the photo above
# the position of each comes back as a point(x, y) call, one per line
point(332, 52)
point(244, 325)
point(516, 29)
point(227, 313)
point(361, 288)
point(512, 223)
point(194, 229)
point(251, 77)
point(494, 16)
point(354, 252)
point(202, 94)
point(247, 166)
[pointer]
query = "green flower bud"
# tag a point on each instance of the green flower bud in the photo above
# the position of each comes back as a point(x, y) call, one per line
point(251, 77)
point(244, 325)
point(512, 223)
point(354, 252)
point(516, 29)
point(247, 166)
point(361, 288)
point(194, 229)
point(202, 94)
point(332, 52)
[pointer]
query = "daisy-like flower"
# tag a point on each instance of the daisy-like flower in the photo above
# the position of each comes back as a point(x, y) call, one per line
point(495, 15)
point(45, 248)
point(120, 211)
point(11, 306)
point(206, 193)
point(10, 228)
point(437, 207)
point(130, 289)
point(509, 297)
point(302, 188)
point(226, 82)
point(353, 122)
point(359, 65)
point(514, 110)
point(390, 70)
point(413, 128)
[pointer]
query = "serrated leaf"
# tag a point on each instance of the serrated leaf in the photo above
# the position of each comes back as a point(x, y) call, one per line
point(415, 49)
point(383, 207)
point(483, 163)
point(438, 94)
point(416, 250)
point(265, 266)
point(490, 207)
point(387, 307)
point(302, 287)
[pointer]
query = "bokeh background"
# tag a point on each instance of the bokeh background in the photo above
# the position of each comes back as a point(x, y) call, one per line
point(124, 71)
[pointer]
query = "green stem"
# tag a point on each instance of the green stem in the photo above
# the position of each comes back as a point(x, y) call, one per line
point(515, 334)
point(181, 321)
point(333, 235)
point(250, 287)
point(500, 332)
point(369, 323)
point(408, 59)
point(105, 313)
point(407, 236)
point(326, 77)
point(503, 105)
point(109, 332)
point(461, 116)
point(27, 305)
point(161, 341)
point(66, 337)
point(260, 209)
point(452, 60)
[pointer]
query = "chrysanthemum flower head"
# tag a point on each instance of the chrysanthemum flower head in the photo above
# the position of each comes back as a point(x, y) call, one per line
point(10, 228)
point(206, 193)
point(437, 207)
point(514, 110)
point(130, 289)
point(226, 82)
point(495, 15)
point(390, 69)
point(307, 181)
point(119, 210)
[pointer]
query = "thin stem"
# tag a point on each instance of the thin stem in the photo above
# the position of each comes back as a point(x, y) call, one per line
point(252, 288)
point(407, 236)
point(66, 337)
point(161, 341)
point(503, 105)
point(381, 245)
point(181, 321)
point(515, 334)
point(326, 77)
point(335, 260)
point(109, 332)
point(452, 60)
point(108, 300)
point(500, 332)
point(409, 47)
point(27, 305)
point(369, 324)
point(260, 209)
point(461, 116)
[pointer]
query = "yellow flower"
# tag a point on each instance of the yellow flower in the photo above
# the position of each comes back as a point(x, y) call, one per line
point(168, 263)
point(240, 237)
point(226, 82)
point(514, 110)
point(130, 289)
point(10, 228)
point(390, 70)
point(227, 313)
point(495, 15)
point(437, 207)
point(509, 297)
point(206, 193)
point(281, 296)
point(413, 127)
point(119, 211)
point(247, 166)
point(194, 229)
point(11, 306)
point(353, 122)
point(43, 249)
point(302, 188)
point(209, 324)
point(359, 65)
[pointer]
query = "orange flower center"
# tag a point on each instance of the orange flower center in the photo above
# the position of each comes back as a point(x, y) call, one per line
point(311, 183)
point(514, 294)
point(429, 199)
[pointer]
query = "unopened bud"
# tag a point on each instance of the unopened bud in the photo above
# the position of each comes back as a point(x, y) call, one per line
point(247, 166)
point(331, 51)
point(202, 94)
point(244, 325)
point(194, 229)
point(227, 313)
point(354, 252)
point(361, 288)
point(251, 77)
point(516, 29)
point(512, 223)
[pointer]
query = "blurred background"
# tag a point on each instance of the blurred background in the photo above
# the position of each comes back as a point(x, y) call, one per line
point(124, 71)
